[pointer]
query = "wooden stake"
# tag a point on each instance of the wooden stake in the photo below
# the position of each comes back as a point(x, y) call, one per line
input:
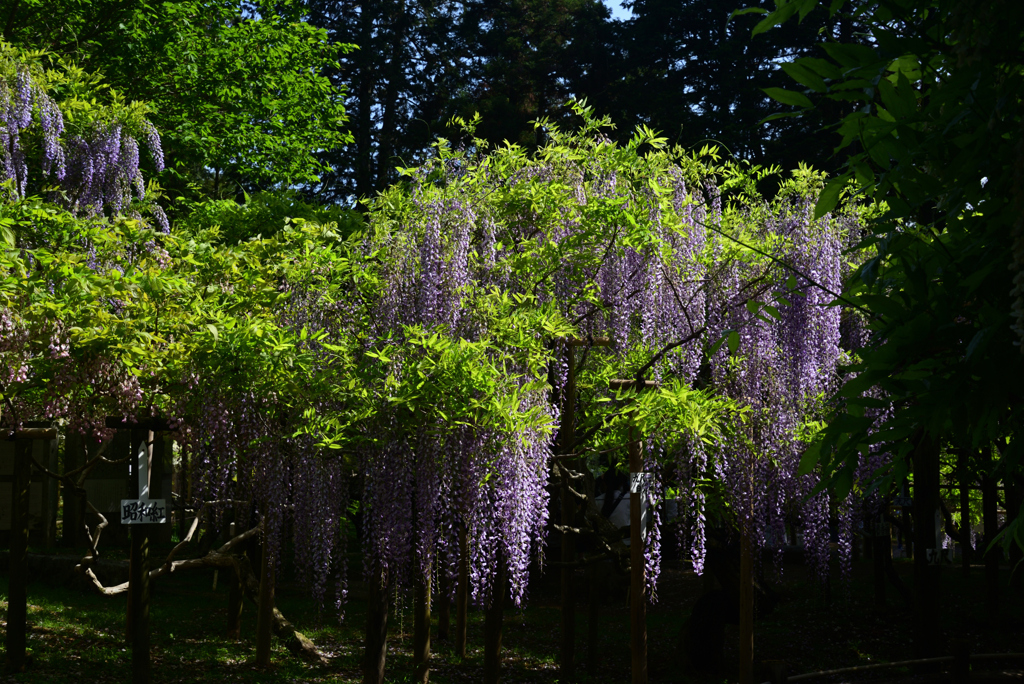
point(421, 631)
point(990, 519)
point(746, 609)
point(376, 631)
point(637, 587)
point(444, 606)
point(493, 621)
point(926, 500)
point(462, 595)
point(882, 543)
point(17, 597)
point(966, 549)
point(138, 567)
point(637, 600)
point(567, 443)
point(265, 609)
point(235, 603)
point(139, 590)
point(593, 620)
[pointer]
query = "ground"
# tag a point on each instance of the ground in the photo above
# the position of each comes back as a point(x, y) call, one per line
point(79, 636)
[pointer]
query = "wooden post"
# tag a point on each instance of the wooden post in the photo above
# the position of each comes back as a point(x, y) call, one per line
point(746, 609)
point(567, 660)
point(637, 600)
point(265, 610)
point(989, 513)
point(17, 597)
point(139, 590)
point(1014, 496)
point(882, 542)
point(444, 606)
point(236, 593)
point(966, 548)
point(462, 594)
point(593, 620)
point(926, 499)
point(908, 538)
point(376, 630)
point(421, 630)
point(51, 488)
point(493, 621)
point(138, 587)
point(637, 585)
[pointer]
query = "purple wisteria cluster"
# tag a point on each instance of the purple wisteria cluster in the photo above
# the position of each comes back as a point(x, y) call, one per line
point(95, 169)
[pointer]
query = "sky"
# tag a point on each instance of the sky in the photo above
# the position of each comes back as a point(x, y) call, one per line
point(618, 11)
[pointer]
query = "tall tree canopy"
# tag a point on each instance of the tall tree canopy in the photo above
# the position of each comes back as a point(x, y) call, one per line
point(237, 87)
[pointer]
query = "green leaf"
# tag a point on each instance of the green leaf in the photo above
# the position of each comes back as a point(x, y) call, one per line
point(747, 10)
point(788, 97)
point(734, 341)
point(809, 459)
point(805, 76)
point(829, 197)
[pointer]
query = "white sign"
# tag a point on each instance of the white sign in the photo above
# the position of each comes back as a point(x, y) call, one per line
point(639, 485)
point(638, 482)
point(143, 511)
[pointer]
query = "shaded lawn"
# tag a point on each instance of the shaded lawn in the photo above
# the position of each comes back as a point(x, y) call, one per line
point(77, 636)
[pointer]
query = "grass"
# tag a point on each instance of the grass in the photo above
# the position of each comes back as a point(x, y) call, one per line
point(77, 636)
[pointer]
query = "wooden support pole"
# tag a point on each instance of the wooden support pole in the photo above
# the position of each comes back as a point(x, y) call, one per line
point(567, 440)
point(966, 548)
point(593, 621)
point(421, 630)
point(926, 500)
point(638, 581)
point(882, 543)
point(462, 595)
point(989, 513)
point(908, 538)
point(376, 631)
point(444, 606)
point(637, 600)
point(1014, 496)
point(139, 605)
point(236, 594)
point(746, 609)
point(138, 567)
point(17, 596)
point(265, 609)
point(493, 621)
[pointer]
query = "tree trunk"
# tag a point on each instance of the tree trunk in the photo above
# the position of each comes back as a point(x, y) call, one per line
point(926, 489)
point(364, 112)
point(421, 631)
point(493, 620)
point(462, 595)
point(376, 630)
